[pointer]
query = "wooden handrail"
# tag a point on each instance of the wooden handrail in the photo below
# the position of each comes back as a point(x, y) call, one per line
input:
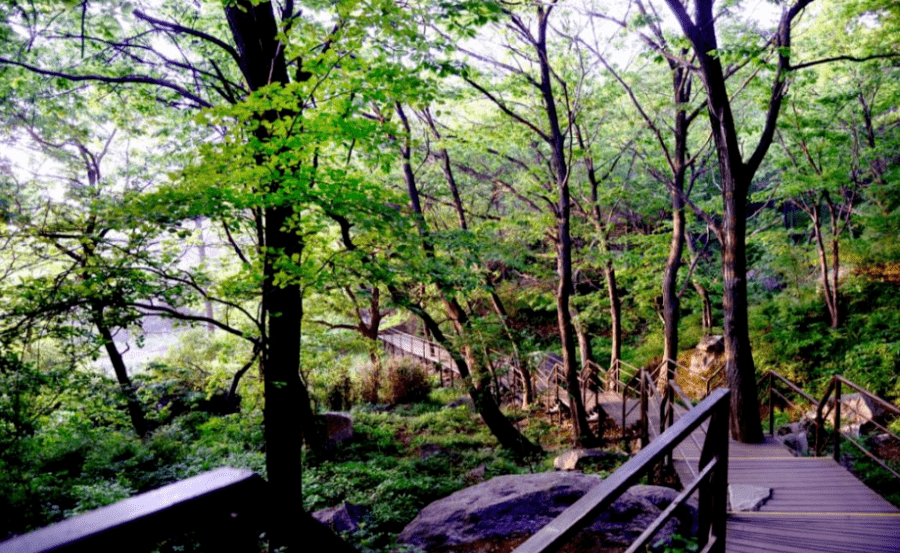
point(824, 410)
point(887, 405)
point(712, 486)
point(221, 499)
point(225, 509)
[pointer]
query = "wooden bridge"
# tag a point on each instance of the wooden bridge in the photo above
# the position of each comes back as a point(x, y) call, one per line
point(815, 505)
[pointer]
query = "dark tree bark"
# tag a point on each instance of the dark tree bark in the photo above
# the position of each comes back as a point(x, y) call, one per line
point(681, 92)
point(135, 408)
point(736, 177)
point(287, 407)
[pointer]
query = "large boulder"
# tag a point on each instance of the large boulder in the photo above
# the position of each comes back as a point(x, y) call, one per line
point(707, 359)
point(338, 428)
point(497, 515)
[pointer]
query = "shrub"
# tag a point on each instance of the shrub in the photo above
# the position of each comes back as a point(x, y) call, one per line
point(399, 380)
point(408, 381)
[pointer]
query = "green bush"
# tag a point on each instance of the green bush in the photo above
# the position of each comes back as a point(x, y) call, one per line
point(408, 381)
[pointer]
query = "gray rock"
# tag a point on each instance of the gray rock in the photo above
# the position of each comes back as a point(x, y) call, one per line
point(798, 443)
point(746, 497)
point(570, 459)
point(345, 517)
point(859, 409)
point(511, 507)
point(338, 428)
point(464, 400)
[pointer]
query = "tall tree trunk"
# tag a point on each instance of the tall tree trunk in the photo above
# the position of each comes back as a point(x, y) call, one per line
point(287, 404)
point(746, 425)
point(496, 302)
point(581, 431)
point(479, 384)
point(609, 270)
point(681, 92)
point(736, 177)
point(671, 299)
point(135, 409)
point(615, 310)
point(827, 290)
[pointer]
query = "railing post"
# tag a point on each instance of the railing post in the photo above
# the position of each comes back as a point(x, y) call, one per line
point(713, 494)
point(645, 423)
point(837, 420)
point(771, 405)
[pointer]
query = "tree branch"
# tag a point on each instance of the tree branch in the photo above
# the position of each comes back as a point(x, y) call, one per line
point(138, 79)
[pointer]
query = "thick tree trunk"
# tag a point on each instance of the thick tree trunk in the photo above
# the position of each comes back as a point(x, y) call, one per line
point(287, 410)
point(736, 176)
point(746, 425)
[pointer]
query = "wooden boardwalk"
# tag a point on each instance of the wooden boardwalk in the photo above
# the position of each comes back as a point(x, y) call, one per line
point(816, 505)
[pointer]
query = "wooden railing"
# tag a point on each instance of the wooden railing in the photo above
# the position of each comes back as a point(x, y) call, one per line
point(828, 410)
point(834, 391)
point(711, 484)
point(221, 508)
point(225, 509)
point(400, 343)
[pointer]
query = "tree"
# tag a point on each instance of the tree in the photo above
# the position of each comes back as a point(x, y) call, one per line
point(673, 144)
point(736, 175)
point(477, 380)
point(530, 41)
point(248, 69)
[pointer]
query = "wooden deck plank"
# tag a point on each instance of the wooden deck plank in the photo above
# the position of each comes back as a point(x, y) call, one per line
point(813, 533)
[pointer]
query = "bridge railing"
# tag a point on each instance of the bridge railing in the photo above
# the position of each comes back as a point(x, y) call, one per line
point(711, 484)
point(832, 401)
point(828, 411)
point(432, 353)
